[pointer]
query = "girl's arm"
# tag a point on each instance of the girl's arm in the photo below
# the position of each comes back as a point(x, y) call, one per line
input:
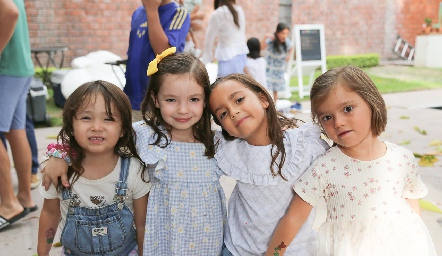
point(246, 71)
point(47, 227)
point(55, 168)
point(140, 209)
point(414, 203)
point(289, 226)
point(264, 41)
point(289, 54)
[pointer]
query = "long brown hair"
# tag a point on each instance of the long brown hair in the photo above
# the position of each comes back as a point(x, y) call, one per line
point(276, 121)
point(229, 4)
point(276, 43)
point(355, 80)
point(178, 64)
point(81, 97)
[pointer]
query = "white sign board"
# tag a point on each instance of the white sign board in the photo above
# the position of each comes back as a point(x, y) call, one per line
point(310, 54)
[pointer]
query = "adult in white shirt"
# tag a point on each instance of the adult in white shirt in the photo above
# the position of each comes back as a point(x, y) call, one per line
point(227, 23)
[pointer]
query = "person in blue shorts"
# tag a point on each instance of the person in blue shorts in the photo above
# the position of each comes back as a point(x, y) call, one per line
point(165, 22)
point(16, 71)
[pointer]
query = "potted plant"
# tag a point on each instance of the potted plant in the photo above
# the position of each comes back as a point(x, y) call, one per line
point(427, 28)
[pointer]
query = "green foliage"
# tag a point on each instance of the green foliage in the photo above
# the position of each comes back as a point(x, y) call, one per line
point(360, 60)
point(428, 22)
point(39, 72)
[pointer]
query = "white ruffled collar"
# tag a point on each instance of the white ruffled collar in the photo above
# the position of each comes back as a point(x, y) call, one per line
point(251, 164)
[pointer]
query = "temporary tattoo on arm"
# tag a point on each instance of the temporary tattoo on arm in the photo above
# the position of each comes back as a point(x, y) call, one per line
point(50, 234)
point(278, 248)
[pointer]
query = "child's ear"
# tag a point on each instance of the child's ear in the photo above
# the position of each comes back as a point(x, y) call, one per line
point(155, 100)
point(264, 101)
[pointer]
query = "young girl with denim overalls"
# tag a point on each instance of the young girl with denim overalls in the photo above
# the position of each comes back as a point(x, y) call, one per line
point(103, 211)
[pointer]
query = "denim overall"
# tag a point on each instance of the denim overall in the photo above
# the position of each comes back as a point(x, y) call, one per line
point(107, 230)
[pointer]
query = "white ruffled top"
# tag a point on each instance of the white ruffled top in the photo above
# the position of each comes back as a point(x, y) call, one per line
point(231, 39)
point(259, 199)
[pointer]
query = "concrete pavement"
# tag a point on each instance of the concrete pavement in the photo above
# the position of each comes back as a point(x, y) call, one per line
point(405, 112)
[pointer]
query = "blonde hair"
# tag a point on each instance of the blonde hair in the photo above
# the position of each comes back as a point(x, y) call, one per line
point(355, 80)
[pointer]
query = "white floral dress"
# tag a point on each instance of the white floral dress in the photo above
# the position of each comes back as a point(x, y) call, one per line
point(367, 213)
point(186, 211)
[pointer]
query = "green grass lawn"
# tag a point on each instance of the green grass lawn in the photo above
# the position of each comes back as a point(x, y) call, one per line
point(395, 80)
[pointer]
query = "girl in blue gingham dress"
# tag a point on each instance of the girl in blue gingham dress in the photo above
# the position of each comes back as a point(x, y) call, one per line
point(186, 210)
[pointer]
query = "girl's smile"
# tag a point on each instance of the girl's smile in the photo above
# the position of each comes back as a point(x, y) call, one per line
point(94, 130)
point(241, 112)
point(181, 102)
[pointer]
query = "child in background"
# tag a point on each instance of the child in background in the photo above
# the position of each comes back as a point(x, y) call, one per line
point(279, 50)
point(107, 197)
point(266, 153)
point(186, 211)
point(256, 65)
point(371, 187)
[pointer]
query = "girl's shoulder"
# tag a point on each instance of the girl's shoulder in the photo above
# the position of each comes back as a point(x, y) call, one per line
point(145, 143)
point(251, 164)
point(146, 132)
point(304, 136)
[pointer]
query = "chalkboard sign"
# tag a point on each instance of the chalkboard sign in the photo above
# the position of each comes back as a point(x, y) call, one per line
point(310, 55)
point(310, 44)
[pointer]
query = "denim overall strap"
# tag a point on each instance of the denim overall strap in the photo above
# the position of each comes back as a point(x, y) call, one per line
point(65, 193)
point(121, 186)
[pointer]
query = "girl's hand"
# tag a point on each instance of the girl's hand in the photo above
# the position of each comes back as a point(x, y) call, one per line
point(289, 226)
point(55, 168)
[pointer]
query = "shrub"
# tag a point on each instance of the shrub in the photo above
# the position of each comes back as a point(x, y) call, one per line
point(39, 72)
point(360, 60)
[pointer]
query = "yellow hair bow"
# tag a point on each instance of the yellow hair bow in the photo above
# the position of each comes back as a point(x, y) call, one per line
point(152, 69)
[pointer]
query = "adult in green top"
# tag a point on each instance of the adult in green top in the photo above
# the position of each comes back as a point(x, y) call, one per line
point(16, 71)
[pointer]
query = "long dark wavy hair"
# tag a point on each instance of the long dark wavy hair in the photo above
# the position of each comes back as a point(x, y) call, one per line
point(81, 98)
point(276, 121)
point(276, 43)
point(179, 64)
point(229, 4)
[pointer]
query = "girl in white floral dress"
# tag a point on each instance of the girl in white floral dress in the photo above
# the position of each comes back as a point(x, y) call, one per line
point(371, 187)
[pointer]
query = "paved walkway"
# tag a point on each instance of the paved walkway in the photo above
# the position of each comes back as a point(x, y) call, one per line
point(406, 111)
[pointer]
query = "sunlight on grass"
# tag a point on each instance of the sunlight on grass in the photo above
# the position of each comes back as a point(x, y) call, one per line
point(384, 84)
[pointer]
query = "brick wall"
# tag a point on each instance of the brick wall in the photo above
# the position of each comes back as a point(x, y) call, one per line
point(351, 27)
point(411, 15)
point(82, 25)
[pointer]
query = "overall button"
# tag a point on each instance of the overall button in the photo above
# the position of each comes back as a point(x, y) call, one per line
point(71, 211)
point(120, 206)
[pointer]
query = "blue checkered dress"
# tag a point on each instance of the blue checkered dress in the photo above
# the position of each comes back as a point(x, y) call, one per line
point(186, 211)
